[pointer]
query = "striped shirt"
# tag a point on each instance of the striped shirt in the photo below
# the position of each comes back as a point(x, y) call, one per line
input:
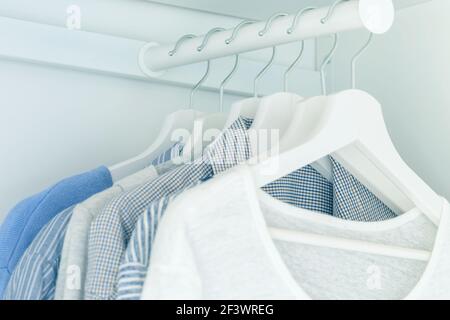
point(136, 259)
point(173, 152)
point(34, 278)
point(112, 229)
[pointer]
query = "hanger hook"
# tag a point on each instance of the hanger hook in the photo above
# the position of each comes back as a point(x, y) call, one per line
point(269, 22)
point(179, 42)
point(292, 66)
point(328, 58)
point(237, 29)
point(207, 37)
point(290, 31)
point(325, 62)
point(236, 59)
point(263, 71)
point(195, 88)
point(331, 11)
point(227, 78)
point(297, 19)
point(357, 56)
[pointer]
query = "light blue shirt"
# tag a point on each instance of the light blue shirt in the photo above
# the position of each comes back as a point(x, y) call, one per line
point(24, 221)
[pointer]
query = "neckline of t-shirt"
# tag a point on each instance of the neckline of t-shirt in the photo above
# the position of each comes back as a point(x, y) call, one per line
point(254, 197)
point(336, 223)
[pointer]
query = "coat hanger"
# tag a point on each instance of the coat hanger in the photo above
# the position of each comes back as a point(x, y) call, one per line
point(227, 79)
point(349, 126)
point(246, 107)
point(213, 123)
point(323, 165)
point(181, 119)
point(356, 57)
point(275, 111)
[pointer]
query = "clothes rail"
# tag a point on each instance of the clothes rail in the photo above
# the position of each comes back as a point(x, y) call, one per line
point(377, 16)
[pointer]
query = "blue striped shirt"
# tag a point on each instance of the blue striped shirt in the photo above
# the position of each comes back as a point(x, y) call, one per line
point(133, 269)
point(34, 278)
point(136, 259)
point(173, 152)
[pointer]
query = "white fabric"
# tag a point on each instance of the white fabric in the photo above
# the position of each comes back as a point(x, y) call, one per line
point(72, 269)
point(213, 243)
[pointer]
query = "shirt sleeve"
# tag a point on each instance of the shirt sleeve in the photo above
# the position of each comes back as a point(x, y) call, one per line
point(135, 261)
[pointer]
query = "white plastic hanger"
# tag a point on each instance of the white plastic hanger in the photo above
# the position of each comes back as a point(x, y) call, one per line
point(349, 126)
point(207, 126)
point(179, 120)
point(246, 107)
point(275, 111)
point(297, 128)
point(183, 119)
point(279, 111)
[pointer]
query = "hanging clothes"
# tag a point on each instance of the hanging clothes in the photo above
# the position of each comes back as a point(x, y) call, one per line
point(73, 265)
point(112, 229)
point(220, 248)
point(136, 259)
point(26, 219)
point(305, 188)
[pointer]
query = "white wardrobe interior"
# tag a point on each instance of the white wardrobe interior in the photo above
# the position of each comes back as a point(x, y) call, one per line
point(75, 99)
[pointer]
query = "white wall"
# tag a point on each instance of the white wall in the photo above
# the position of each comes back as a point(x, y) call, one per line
point(57, 122)
point(73, 100)
point(408, 71)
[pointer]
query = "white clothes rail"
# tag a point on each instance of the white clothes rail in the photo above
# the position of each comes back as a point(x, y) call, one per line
point(377, 16)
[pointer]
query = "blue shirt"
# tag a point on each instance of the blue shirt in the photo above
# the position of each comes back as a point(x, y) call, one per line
point(27, 218)
point(34, 277)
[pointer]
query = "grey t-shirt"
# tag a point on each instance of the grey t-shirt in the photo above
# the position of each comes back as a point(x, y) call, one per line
point(220, 248)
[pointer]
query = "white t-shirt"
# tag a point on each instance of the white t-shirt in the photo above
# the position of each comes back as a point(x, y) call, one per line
point(214, 243)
